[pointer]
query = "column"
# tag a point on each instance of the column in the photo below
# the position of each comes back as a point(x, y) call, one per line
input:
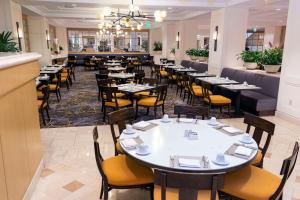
point(231, 37)
point(37, 27)
point(5, 16)
point(61, 35)
point(288, 98)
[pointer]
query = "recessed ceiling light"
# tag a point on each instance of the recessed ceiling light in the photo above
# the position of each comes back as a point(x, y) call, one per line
point(278, 9)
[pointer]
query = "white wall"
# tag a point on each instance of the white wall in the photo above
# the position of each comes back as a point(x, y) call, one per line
point(289, 99)
point(61, 35)
point(16, 16)
point(232, 27)
point(272, 35)
point(5, 16)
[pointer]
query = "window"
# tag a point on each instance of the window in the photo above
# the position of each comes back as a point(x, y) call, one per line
point(255, 40)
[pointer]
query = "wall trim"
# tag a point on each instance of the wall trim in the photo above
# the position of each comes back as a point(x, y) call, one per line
point(287, 117)
point(34, 181)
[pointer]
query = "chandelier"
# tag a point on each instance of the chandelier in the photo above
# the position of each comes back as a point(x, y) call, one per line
point(133, 19)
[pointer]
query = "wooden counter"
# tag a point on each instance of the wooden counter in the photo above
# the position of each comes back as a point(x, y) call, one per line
point(20, 142)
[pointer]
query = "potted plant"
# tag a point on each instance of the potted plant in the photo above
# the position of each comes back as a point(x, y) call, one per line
point(203, 54)
point(157, 47)
point(198, 54)
point(192, 53)
point(172, 53)
point(250, 59)
point(271, 59)
point(7, 43)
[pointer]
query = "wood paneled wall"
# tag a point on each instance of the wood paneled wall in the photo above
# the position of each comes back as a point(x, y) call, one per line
point(20, 142)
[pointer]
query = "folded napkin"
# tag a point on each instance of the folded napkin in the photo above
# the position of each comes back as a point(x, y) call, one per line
point(129, 143)
point(186, 120)
point(230, 129)
point(141, 124)
point(192, 163)
point(244, 151)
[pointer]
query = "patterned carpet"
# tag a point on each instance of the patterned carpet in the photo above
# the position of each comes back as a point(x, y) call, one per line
point(79, 106)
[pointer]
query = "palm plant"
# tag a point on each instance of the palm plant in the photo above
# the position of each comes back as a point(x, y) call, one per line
point(7, 43)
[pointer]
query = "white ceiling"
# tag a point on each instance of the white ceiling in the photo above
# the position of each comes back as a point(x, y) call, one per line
point(84, 12)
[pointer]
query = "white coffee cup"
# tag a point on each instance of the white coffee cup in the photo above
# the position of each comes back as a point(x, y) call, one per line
point(129, 128)
point(246, 137)
point(245, 83)
point(165, 117)
point(142, 148)
point(220, 158)
point(213, 120)
point(227, 78)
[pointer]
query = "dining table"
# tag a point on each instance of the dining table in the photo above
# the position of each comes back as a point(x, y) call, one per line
point(132, 88)
point(217, 80)
point(116, 69)
point(170, 145)
point(197, 74)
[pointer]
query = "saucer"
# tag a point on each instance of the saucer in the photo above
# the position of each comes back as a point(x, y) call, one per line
point(128, 133)
point(166, 120)
point(142, 153)
point(213, 123)
point(222, 164)
point(246, 142)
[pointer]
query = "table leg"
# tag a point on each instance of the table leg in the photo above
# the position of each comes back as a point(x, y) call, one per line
point(238, 103)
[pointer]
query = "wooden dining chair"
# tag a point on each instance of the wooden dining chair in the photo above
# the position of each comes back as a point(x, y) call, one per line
point(109, 96)
point(261, 126)
point(119, 118)
point(155, 101)
point(139, 75)
point(54, 87)
point(66, 78)
point(186, 186)
point(191, 111)
point(214, 100)
point(121, 172)
point(252, 182)
point(43, 104)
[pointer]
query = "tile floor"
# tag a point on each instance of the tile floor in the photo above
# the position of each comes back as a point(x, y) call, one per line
point(71, 173)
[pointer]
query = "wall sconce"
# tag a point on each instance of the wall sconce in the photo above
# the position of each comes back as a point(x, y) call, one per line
point(215, 38)
point(177, 40)
point(47, 38)
point(20, 35)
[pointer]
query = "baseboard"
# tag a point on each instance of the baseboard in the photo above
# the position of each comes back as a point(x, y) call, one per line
point(287, 117)
point(34, 181)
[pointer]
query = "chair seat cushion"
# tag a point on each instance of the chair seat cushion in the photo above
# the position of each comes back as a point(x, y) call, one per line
point(121, 103)
point(163, 73)
point(40, 102)
point(258, 101)
point(173, 194)
point(149, 101)
point(40, 94)
point(218, 99)
point(123, 171)
point(258, 158)
point(145, 93)
point(198, 92)
point(53, 87)
point(64, 78)
point(251, 183)
point(118, 95)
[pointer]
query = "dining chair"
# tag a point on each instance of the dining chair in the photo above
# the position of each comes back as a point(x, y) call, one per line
point(119, 118)
point(252, 182)
point(157, 100)
point(214, 100)
point(179, 80)
point(195, 90)
point(43, 104)
point(66, 77)
point(191, 111)
point(54, 87)
point(121, 172)
point(186, 186)
point(109, 96)
point(151, 82)
point(139, 75)
point(130, 68)
point(186, 87)
point(261, 126)
point(163, 74)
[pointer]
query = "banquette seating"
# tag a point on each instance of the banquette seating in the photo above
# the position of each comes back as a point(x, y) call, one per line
point(200, 67)
point(261, 101)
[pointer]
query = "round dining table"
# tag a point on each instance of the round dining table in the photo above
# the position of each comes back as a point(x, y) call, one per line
point(167, 141)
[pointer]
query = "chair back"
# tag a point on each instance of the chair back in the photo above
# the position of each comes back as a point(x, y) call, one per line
point(58, 82)
point(103, 71)
point(287, 168)
point(139, 75)
point(205, 90)
point(130, 68)
point(150, 81)
point(260, 126)
point(120, 117)
point(108, 94)
point(191, 111)
point(98, 156)
point(188, 184)
point(161, 92)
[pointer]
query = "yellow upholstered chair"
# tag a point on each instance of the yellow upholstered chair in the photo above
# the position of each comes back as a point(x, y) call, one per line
point(121, 172)
point(186, 186)
point(163, 74)
point(149, 81)
point(214, 100)
point(66, 78)
point(54, 87)
point(43, 103)
point(261, 126)
point(254, 183)
point(110, 99)
point(119, 118)
point(157, 100)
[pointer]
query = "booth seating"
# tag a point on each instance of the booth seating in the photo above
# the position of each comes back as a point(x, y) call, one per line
point(260, 102)
point(200, 67)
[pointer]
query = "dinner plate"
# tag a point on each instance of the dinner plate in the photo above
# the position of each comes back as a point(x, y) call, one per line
point(143, 153)
point(128, 133)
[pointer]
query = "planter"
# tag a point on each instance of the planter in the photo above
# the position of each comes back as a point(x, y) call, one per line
point(272, 68)
point(250, 65)
point(157, 52)
point(194, 57)
point(202, 59)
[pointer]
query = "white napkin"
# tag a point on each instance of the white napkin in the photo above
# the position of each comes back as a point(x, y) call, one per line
point(230, 129)
point(243, 151)
point(189, 163)
point(141, 124)
point(186, 120)
point(129, 143)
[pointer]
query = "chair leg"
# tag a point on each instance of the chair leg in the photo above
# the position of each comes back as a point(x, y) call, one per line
point(136, 111)
point(163, 108)
point(47, 112)
point(101, 191)
point(59, 93)
point(155, 112)
point(105, 193)
point(57, 97)
point(74, 76)
point(147, 111)
point(43, 117)
point(104, 113)
point(152, 193)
